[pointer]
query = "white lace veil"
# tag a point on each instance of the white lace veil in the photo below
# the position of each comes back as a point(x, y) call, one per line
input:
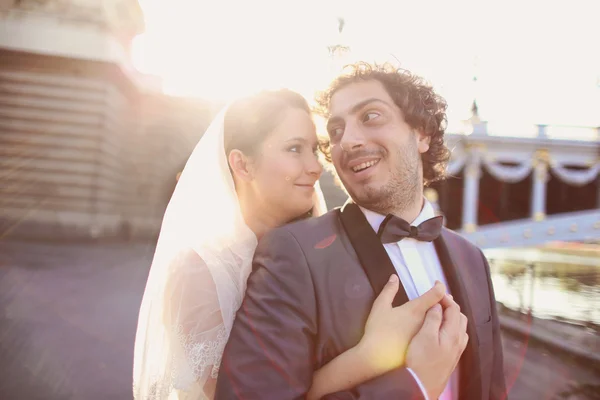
point(197, 279)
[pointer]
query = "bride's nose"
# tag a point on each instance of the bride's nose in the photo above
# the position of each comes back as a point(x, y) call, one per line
point(314, 167)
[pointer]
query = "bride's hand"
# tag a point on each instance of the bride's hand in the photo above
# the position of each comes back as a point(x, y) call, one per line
point(389, 329)
point(388, 332)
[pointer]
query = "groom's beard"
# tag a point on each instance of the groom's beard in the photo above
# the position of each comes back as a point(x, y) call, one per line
point(400, 191)
point(396, 196)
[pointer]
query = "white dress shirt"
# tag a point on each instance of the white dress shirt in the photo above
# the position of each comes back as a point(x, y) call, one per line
point(418, 267)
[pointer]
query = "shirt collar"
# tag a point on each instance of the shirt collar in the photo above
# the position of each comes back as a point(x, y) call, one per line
point(375, 219)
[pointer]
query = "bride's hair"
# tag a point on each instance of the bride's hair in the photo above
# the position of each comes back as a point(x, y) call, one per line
point(250, 120)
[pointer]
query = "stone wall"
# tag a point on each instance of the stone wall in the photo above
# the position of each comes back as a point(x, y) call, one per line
point(84, 153)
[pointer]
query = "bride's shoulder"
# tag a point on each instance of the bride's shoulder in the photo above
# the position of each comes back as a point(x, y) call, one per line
point(187, 257)
point(185, 265)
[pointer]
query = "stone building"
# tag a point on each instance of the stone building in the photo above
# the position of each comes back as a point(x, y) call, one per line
point(88, 146)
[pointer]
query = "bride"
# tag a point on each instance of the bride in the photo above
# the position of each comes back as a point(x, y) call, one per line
point(255, 168)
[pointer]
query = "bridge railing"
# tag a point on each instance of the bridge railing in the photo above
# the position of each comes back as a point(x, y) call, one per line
point(574, 226)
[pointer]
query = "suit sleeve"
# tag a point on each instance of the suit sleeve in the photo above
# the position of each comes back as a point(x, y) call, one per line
point(271, 349)
point(497, 383)
point(269, 354)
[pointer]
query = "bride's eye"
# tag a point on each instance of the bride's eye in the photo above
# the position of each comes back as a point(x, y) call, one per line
point(294, 149)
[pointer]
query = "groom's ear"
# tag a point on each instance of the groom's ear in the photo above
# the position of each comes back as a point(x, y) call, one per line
point(423, 141)
point(240, 165)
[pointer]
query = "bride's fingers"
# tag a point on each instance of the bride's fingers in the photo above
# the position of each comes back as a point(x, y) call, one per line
point(386, 296)
point(433, 296)
point(448, 301)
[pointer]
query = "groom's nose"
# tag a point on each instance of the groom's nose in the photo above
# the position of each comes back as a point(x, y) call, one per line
point(353, 138)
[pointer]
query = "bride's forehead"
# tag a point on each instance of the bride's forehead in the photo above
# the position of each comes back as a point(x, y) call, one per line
point(295, 123)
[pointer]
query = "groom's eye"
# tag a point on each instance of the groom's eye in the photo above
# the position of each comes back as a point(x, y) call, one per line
point(370, 116)
point(334, 132)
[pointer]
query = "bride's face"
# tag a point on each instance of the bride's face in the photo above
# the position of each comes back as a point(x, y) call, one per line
point(287, 167)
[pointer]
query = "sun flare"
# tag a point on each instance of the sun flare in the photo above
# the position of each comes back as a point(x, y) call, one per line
point(219, 50)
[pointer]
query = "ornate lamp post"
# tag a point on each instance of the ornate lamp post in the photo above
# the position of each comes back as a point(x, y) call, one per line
point(338, 50)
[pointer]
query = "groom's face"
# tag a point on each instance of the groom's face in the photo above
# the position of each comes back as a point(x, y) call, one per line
point(375, 152)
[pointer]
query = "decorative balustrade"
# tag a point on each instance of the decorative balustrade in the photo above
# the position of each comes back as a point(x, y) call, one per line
point(512, 159)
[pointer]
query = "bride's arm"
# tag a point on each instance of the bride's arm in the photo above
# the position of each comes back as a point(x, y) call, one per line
point(193, 316)
point(387, 334)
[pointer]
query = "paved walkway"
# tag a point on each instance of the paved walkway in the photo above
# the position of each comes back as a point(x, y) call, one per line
point(68, 317)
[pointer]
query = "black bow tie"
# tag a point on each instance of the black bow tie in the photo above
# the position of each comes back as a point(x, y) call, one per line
point(394, 229)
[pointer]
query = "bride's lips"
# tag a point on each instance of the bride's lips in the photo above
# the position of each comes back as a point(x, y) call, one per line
point(308, 187)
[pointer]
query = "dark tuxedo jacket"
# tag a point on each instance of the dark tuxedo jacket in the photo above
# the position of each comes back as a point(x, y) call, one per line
point(308, 298)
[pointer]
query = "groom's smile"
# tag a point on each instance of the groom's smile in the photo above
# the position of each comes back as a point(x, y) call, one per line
point(358, 164)
point(362, 168)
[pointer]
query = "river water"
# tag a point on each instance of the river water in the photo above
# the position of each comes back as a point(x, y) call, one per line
point(558, 285)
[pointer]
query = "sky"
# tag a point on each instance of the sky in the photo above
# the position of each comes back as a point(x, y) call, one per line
point(535, 62)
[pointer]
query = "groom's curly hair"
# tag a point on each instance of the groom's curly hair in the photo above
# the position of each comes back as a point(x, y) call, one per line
point(423, 109)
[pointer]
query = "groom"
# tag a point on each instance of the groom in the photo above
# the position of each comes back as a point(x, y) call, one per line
point(314, 282)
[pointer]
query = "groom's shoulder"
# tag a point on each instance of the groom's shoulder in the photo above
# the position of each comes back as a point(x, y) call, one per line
point(326, 222)
point(306, 231)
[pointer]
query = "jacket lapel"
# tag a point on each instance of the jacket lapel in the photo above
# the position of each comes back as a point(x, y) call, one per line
point(469, 368)
point(372, 255)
